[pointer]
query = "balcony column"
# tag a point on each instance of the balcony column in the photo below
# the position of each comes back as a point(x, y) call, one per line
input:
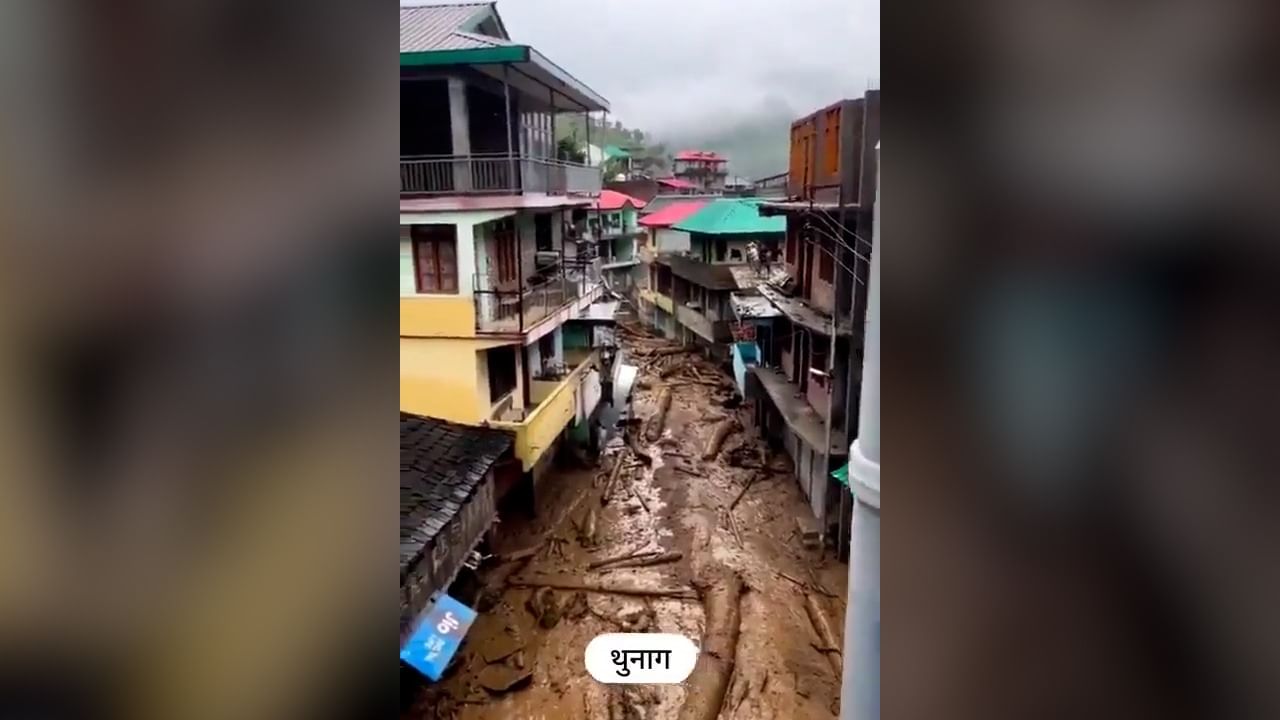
point(518, 398)
point(511, 158)
point(460, 128)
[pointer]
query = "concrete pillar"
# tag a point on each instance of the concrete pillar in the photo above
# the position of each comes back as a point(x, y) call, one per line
point(860, 684)
point(460, 130)
point(517, 397)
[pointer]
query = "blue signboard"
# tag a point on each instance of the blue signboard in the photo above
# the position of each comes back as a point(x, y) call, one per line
point(433, 643)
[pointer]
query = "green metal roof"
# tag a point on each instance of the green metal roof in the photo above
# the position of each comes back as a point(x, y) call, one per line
point(613, 151)
point(732, 216)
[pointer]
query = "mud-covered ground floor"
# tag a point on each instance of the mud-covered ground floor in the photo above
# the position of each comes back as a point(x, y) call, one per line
point(716, 550)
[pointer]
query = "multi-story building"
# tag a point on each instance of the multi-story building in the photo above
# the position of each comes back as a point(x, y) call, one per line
point(804, 382)
point(700, 252)
point(612, 227)
point(704, 169)
point(493, 278)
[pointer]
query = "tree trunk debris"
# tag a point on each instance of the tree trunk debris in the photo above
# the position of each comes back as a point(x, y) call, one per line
point(823, 628)
point(643, 552)
point(706, 685)
point(722, 431)
point(677, 593)
point(661, 559)
point(754, 476)
point(660, 416)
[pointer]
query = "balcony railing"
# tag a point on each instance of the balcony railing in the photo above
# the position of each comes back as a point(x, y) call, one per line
point(494, 174)
point(501, 310)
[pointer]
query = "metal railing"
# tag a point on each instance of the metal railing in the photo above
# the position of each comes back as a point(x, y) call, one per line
point(514, 310)
point(494, 174)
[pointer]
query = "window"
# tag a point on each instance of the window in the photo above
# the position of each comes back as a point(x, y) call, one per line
point(721, 249)
point(435, 258)
point(831, 142)
point(735, 254)
point(826, 263)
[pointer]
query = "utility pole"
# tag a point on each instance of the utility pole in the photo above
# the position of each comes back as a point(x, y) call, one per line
point(860, 683)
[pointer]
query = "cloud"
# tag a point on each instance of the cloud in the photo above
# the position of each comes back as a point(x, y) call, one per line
point(671, 67)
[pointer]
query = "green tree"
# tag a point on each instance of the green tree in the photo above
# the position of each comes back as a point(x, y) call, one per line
point(569, 150)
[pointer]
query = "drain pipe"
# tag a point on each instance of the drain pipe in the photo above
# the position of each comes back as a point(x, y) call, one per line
point(860, 684)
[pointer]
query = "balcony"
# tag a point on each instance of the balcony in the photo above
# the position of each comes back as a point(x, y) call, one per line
point(558, 294)
point(713, 331)
point(556, 403)
point(494, 174)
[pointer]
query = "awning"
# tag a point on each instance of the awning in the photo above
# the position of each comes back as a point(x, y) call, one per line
point(436, 639)
point(842, 475)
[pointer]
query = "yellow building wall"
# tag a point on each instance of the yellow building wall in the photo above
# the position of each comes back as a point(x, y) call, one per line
point(439, 316)
point(535, 435)
point(438, 379)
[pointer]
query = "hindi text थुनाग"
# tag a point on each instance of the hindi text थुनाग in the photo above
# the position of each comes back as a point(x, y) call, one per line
point(645, 659)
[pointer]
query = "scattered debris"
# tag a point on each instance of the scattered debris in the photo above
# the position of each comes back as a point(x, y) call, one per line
point(501, 647)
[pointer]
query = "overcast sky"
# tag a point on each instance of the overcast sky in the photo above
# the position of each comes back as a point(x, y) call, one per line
point(669, 66)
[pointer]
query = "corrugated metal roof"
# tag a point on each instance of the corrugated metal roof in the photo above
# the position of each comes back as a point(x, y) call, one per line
point(442, 27)
point(614, 200)
point(673, 213)
point(709, 155)
point(731, 216)
point(677, 183)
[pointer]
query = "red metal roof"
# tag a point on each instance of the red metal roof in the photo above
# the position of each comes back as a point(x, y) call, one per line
point(677, 183)
point(708, 155)
point(673, 213)
point(614, 200)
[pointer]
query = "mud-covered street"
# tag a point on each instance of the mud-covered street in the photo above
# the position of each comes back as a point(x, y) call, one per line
point(739, 579)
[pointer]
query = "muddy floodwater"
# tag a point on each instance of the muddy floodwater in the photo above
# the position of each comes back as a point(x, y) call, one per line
point(523, 657)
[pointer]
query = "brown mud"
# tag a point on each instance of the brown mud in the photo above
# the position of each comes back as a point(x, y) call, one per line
point(741, 581)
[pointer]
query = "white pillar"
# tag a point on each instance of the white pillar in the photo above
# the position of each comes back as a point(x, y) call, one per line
point(860, 684)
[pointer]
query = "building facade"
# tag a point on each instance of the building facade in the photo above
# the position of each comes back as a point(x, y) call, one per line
point(494, 269)
point(700, 252)
point(704, 169)
point(804, 388)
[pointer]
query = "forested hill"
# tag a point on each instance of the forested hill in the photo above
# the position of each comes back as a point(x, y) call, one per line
point(756, 146)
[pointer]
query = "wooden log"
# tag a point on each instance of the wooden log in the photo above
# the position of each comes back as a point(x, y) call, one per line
point(706, 686)
point(613, 477)
point(619, 558)
point(823, 628)
point(643, 504)
point(660, 416)
point(754, 476)
point(589, 528)
point(604, 588)
point(633, 442)
point(660, 559)
point(722, 431)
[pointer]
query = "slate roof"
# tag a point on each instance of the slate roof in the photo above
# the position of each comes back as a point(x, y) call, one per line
point(441, 464)
point(441, 27)
point(732, 216)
